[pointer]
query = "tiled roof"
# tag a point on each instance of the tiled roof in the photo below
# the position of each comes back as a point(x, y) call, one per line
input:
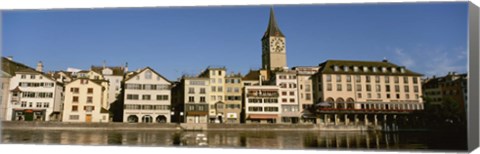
point(252, 75)
point(10, 67)
point(116, 70)
point(329, 68)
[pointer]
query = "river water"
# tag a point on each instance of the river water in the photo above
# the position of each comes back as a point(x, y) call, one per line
point(244, 139)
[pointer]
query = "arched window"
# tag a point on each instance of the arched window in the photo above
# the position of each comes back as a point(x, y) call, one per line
point(132, 119)
point(147, 119)
point(161, 119)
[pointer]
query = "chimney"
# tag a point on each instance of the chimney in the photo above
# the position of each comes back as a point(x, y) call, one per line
point(39, 66)
point(10, 58)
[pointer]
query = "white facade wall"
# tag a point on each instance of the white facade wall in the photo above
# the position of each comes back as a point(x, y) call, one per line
point(287, 83)
point(114, 87)
point(32, 103)
point(147, 110)
point(250, 104)
point(81, 114)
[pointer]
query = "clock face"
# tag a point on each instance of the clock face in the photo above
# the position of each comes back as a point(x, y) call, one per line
point(277, 45)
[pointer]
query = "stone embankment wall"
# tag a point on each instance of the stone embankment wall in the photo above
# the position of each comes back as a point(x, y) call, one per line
point(87, 126)
point(171, 126)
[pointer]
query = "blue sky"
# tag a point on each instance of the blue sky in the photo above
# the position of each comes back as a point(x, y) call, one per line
point(429, 38)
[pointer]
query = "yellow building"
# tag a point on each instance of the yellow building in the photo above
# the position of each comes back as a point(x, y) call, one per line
point(85, 101)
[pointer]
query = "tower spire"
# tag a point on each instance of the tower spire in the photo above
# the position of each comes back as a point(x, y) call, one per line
point(272, 29)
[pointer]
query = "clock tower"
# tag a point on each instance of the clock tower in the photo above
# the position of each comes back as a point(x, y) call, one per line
point(274, 55)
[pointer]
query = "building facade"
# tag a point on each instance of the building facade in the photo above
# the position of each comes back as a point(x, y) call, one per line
point(262, 104)
point(114, 76)
point(287, 82)
point(34, 97)
point(194, 94)
point(147, 98)
point(451, 87)
point(85, 101)
point(305, 91)
point(233, 98)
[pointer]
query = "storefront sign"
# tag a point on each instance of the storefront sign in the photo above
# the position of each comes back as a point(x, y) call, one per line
point(232, 115)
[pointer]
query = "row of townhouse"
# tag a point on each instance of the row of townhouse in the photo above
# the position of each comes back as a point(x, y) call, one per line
point(272, 94)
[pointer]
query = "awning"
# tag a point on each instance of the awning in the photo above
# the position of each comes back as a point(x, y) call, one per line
point(196, 113)
point(262, 116)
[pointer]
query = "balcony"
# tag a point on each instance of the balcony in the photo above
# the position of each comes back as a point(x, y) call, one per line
point(263, 95)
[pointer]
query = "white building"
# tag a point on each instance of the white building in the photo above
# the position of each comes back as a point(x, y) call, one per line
point(147, 97)
point(115, 77)
point(261, 104)
point(85, 101)
point(287, 82)
point(34, 97)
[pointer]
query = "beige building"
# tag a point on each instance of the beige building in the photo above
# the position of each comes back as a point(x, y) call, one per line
point(364, 86)
point(4, 85)
point(216, 95)
point(114, 76)
point(305, 91)
point(85, 101)
point(193, 94)
point(233, 98)
point(147, 97)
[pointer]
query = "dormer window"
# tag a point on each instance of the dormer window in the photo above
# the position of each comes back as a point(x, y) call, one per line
point(365, 69)
point(345, 68)
point(335, 68)
point(394, 70)
point(355, 68)
point(402, 70)
point(374, 69)
point(384, 69)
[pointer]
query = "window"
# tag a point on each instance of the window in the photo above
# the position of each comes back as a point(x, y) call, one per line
point(349, 78)
point(271, 109)
point(255, 109)
point(349, 87)
point(202, 99)
point(379, 95)
point(90, 90)
point(406, 89)
point(388, 96)
point(407, 96)
point(415, 89)
point(191, 90)
point(24, 76)
point(377, 79)
point(396, 79)
point(355, 68)
point(284, 93)
point(162, 97)
point(219, 72)
point(357, 78)
point(345, 68)
point(213, 98)
point(75, 99)
point(191, 99)
point(74, 108)
point(229, 89)
point(89, 108)
point(202, 90)
point(284, 100)
point(367, 78)
point(214, 89)
point(236, 89)
point(387, 88)
point(220, 98)
point(387, 79)
point(359, 95)
point(405, 79)
point(74, 117)
point(89, 99)
point(145, 97)
point(74, 90)
point(292, 93)
point(415, 80)
point(309, 97)
point(378, 88)
point(39, 104)
point(23, 104)
point(148, 74)
point(369, 95)
point(398, 96)
point(369, 87)
point(329, 87)
point(219, 80)
point(329, 78)
point(292, 100)
point(359, 87)
point(339, 87)
point(132, 97)
point(32, 76)
point(212, 80)
point(339, 78)
point(397, 88)
point(220, 89)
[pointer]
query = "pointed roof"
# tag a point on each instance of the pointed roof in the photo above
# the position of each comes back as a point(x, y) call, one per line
point(272, 29)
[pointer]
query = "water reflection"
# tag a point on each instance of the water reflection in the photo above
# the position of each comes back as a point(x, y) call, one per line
point(230, 139)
